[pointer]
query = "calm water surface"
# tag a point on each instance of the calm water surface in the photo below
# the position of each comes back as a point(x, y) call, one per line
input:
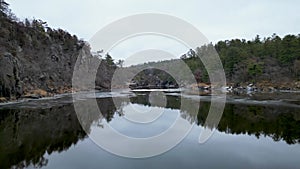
point(254, 132)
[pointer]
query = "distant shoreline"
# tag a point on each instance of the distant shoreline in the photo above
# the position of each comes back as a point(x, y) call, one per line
point(264, 95)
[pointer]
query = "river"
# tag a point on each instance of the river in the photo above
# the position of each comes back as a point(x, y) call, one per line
point(255, 131)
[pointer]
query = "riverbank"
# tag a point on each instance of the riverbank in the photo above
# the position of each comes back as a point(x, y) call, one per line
point(250, 87)
point(37, 94)
point(201, 89)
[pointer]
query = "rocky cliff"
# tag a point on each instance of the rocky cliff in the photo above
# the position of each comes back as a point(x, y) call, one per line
point(36, 60)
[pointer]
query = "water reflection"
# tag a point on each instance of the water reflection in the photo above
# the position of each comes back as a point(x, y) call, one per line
point(277, 122)
point(27, 134)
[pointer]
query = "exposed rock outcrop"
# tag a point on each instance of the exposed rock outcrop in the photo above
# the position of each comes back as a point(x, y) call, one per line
point(37, 61)
point(10, 83)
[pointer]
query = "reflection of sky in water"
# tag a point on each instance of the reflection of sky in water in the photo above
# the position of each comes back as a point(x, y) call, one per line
point(142, 130)
point(221, 151)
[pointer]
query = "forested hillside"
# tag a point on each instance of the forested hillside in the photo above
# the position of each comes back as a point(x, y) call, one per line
point(268, 62)
point(36, 60)
point(272, 59)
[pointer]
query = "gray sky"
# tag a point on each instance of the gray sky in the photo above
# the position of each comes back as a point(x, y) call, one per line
point(216, 19)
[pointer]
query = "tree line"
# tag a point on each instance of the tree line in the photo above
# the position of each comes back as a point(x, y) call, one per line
point(252, 60)
point(269, 60)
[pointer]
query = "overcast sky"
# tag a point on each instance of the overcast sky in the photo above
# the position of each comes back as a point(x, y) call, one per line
point(216, 19)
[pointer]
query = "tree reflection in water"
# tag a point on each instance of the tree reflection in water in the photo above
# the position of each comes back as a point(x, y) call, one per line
point(26, 134)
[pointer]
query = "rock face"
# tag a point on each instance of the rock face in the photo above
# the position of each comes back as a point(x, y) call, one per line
point(49, 69)
point(38, 61)
point(10, 83)
point(47, 72)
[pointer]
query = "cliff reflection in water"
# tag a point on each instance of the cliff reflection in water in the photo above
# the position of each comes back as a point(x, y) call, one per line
point(28, 133)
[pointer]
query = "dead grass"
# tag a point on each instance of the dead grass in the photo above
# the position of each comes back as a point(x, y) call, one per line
point(37, 92)
point(2, 99)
